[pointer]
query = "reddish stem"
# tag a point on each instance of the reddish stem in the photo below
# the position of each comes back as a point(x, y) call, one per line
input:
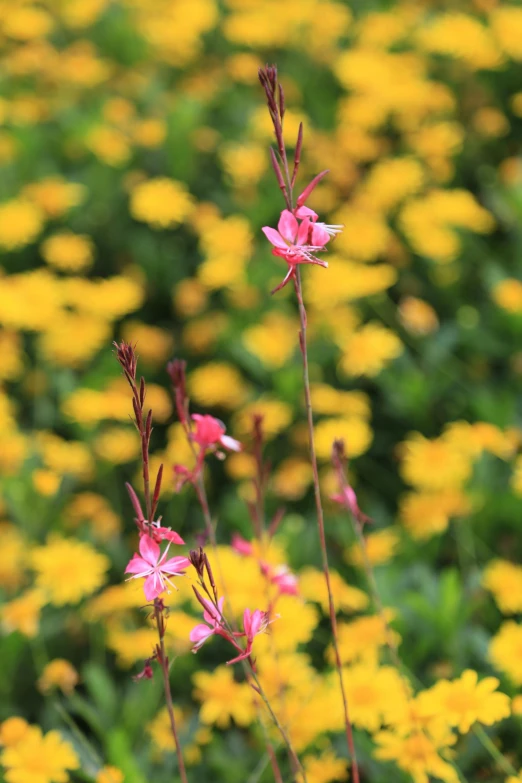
point(320, 524)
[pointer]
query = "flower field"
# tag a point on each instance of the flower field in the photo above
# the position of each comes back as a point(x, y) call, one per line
point(304, 564)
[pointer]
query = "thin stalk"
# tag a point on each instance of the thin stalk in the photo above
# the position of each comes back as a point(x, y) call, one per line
point(495, 753)
point(164, 665)
point(320, 524)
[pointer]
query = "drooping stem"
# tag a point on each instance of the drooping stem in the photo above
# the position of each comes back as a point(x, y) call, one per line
point(320, 523)
point(163, 661)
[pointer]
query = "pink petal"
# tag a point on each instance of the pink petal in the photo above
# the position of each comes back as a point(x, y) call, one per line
point(175, 565)
point(137, 565)
point(152, 587)
point(149, 549)
point(241, 545)
point(303, 212)
point(170, 535)
point(230, 443)
point(287, 226)
point(256, 622)
point(306, 192)
point(320, 236)
point(304, 230)
point(200, 633)
point(274, 237)
point(247, 620)
point(213, 614)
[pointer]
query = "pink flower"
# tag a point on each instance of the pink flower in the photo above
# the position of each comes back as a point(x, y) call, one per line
point(241, 545)
point(160, 533)
point(154, 566)
point(254, 623)
point(285, 580)
point(348, 499)
point(211, 432)
point(294, 243)
point(213, 616)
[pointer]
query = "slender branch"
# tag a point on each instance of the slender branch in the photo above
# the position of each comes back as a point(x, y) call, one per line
point(164, 665)
point(320, 524)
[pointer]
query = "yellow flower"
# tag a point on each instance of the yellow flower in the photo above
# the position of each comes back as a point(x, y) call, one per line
point(68, 570)
point(189, 297)
point(277, 416)
point(153, 345)
point(46, 482)
point(417, 316)
point(12, 731)
point(54, 195)
point(372, 692)
point(274, 340)
point(131, 646)
point(365, 235)
point(325, 768)
point(425, 514)
point(327, 400)
point(39, 758)
point(159, 729)
point(150, 133)
point(465, 701)
point(461, 36)
point(223, 699)
point(361, 639)
point(418, 755)
point(23, 614)
point(117, 445)
point(506, 25)
point(161, 202)
point(355, 432)
point(96, 511)
point(78, 14)
point(110, 775)
point(58, 674)
point(312, 586)
point(490, 122)
point(64, 456)
point(505, 651)
point(31, 300)
point(390, 181)
point(508, 295)
point(504, 580)
point(245, 164)
point(68, 252)
point(110, 145)
point(217, 384)
point(369, 350)
point(292, 478)
point(26, 22)
point(345, 281)
point(13, 557)
point(227, 246)
point(380, 548)
point(74, 339)
point(434, 464)
point(20, 223)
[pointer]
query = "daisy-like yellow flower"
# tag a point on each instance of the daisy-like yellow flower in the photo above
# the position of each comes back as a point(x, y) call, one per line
point(505, 650)
point(380, 548)
point(417, 754)
point(465, 701)
point(161, 202)
point(20, 223)
point(39, 758)
point(12, 731)
point(68, 252)
point(362, 638)
point(68, 570)
point(372, 691)
point(58, 674)
point(312, 586)
point(110, 775)
point(504, 580)
point(160, 730)
point(23, 614)
point(325, 768)
point(223, 699)
point(434, 464)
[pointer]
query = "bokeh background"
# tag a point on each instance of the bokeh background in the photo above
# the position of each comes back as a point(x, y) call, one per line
point(134, 182)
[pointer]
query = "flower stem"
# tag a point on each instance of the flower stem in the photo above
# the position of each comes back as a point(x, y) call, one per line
point(320, 524)
point(492, 749)
point(164, 664)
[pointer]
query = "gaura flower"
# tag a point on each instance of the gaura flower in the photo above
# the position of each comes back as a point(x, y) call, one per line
point(254, 623)
point(241, 545)
point(210, 432)
point(294, 242)
point(154, 566)
point(213, 616)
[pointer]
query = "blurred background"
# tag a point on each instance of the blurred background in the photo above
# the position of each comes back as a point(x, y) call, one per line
point(135, 179)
